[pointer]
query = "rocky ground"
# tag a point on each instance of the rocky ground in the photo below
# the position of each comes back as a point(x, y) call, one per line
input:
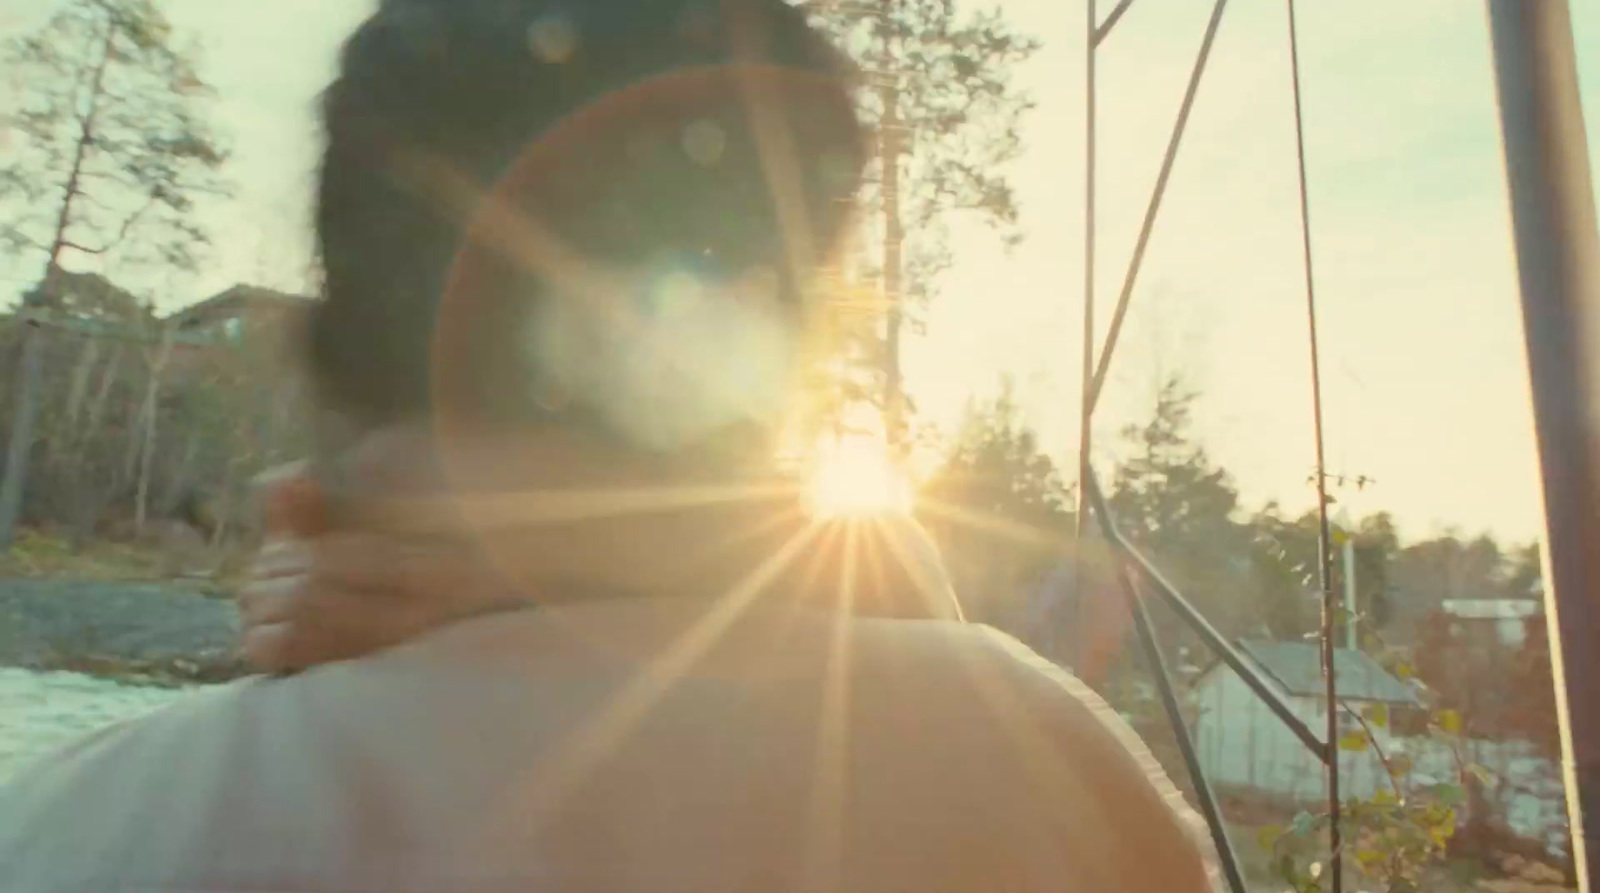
point(149, 632)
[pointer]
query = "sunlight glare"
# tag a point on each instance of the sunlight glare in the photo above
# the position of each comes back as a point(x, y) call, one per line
point(855, 477)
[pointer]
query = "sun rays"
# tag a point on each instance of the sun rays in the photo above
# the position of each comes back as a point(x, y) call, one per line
point(565, 770)
point(856, 510)
point(855, 477)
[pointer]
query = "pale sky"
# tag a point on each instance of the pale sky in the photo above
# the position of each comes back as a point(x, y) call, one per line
point(1424, 369)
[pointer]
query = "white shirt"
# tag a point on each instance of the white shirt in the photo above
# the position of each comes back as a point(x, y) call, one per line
point(623, 747)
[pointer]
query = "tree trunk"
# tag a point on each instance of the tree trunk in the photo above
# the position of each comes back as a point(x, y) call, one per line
point(13, 488)
point(91, 494)
point(30, 384)
point(149, 415)
point(893, 246)
point(141, 501)
point(225, 509)
point(108, 378)
point(67, 450)
point(182, 477)
point(87, 360)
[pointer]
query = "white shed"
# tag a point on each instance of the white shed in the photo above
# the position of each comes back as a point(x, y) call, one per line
point(1244, 745)
point(1505, 619)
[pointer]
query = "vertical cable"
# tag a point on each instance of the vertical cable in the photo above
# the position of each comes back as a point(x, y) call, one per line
point(1324, 545)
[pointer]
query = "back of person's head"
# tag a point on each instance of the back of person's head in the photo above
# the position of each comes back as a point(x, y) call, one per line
point(524, 205)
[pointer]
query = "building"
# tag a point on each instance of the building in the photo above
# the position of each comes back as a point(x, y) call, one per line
point(240, 347)
point(1245, 746)
point(90, 305)
point(243, 311)
point(1490, 620)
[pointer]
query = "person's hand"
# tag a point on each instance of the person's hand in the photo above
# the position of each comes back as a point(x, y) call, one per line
point(332, 586)
point(346, 594)
point(326, 589)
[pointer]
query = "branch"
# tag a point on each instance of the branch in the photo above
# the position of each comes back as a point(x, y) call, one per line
point(1377, 749)
point(19, 237)
point(109, 177)
point(127, 224)
point(91, 199)
point(68, 243)
point(122, 232)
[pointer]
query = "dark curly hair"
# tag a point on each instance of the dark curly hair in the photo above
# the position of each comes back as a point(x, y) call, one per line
point(573, 115)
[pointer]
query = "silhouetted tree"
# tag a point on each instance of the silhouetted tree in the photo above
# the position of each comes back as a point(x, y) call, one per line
point(114, 151)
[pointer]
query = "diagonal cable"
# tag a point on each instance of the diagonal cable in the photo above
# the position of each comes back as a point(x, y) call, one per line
point(1156, 196)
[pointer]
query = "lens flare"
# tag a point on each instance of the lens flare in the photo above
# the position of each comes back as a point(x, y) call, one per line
point(855, 477)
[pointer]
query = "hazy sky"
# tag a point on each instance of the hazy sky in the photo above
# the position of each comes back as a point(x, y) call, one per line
point(1423, 358)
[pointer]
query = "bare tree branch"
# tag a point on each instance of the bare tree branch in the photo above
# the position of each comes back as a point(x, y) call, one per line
point(22, 239)
point(83, 249)
point(129, 221)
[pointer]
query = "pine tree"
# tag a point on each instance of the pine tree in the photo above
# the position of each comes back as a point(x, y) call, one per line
point(938, 94)
point(112, 151)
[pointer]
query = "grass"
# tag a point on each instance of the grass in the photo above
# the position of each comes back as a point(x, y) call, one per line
point(42, 555)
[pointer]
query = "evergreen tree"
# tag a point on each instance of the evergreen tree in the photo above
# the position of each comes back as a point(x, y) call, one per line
point(114, 150)
point(1179, 508)
point(938, 92)
point(998, 508)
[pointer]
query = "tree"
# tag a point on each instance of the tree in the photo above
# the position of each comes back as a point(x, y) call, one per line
point(1502, 689)
point(1426, 573)
point(1283, 572)
point(1377, 544)
point(1177, 506)
point(938, 95)
point(114, 152)
point(998, 508)
point(1285, 588)
point(996, 466)
point(1532, 711)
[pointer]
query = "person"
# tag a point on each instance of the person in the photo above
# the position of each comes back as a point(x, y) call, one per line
point(567, 252)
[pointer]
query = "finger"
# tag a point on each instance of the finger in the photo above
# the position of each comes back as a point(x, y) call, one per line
point(300, 507)
point(290, 624)
point(282, 557)
point(284, 647)
point(274, 600)
point(309, 600)
point(292, 502)
point(265, 648)
point(279, 473)
point(264, 485)
point(324, 626)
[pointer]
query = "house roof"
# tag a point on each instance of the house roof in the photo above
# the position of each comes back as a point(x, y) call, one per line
point(234, 300)
point(1297, 666)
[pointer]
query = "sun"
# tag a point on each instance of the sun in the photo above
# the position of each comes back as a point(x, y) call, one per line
point(855, 477)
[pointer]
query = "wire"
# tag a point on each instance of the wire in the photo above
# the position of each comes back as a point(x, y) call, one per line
point(1103, 367)
point(1324, 539)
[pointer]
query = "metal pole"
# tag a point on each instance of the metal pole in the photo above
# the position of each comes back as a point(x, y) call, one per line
point(1180, 732)
point(1330, 598)
point(1103, 367)
point(1079, 635)
point(1197, 622)
point(1558, 262)
point(1098, 33)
